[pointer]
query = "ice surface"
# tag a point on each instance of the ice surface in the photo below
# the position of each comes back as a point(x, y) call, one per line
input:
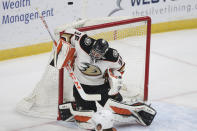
point(172, 87)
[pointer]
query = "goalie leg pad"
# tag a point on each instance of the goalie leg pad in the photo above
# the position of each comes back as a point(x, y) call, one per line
point(140, 112)
point(99, 121)
point(65, 114)
point(88, 119)
point(65, 111)
point(68, 111)
point(146, 117)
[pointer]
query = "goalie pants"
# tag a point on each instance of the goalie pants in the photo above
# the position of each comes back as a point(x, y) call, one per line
point(82, 104)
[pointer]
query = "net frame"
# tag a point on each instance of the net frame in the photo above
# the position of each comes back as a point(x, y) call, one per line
point(107, 25)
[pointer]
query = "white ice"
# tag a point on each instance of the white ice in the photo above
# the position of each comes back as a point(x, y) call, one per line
point(172, 87)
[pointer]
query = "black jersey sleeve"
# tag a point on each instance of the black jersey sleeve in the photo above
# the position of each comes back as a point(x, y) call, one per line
point(111, 55)
point(86, 43)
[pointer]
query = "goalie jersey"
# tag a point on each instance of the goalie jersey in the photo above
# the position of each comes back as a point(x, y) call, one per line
point(88, 71)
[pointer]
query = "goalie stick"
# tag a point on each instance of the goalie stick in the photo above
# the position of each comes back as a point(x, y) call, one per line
point(46, 26)
point(88, 97)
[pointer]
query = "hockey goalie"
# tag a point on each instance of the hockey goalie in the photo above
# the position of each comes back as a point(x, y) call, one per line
point(96, 70)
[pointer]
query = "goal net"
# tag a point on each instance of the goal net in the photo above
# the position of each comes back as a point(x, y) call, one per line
point(125, 34)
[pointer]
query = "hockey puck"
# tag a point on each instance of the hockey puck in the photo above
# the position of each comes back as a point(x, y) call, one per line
point(70, 3)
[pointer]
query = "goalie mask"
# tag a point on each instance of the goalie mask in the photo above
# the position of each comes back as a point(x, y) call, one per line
point(99, 49)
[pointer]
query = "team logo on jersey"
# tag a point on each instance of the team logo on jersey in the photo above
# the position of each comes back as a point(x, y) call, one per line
point(90, 70)
point(88, 41)
point(115, 53)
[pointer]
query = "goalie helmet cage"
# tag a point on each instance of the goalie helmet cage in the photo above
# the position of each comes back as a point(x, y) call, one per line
point(55, 86)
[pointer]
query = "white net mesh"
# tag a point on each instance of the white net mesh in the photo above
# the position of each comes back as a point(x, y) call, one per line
point(43, 101)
